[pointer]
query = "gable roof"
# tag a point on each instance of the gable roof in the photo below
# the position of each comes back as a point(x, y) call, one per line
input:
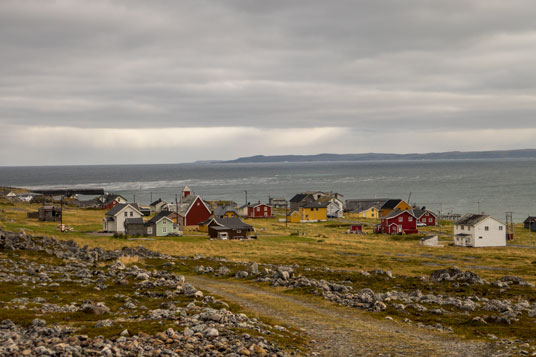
point(470, 219)
point(420, 212)
point(359, 205)
point(159, 216)
point(138, 220)
point(530, 218)
point(391, 204)
point(398, 212)
point(118, 207)
point(157, 202)
point(233, 223)
point(188, 202)
point(315, 205)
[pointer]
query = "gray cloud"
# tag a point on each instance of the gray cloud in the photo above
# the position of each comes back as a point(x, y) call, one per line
point(374, 66)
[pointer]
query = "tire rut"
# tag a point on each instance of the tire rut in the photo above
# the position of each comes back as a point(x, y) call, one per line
point(341, 331)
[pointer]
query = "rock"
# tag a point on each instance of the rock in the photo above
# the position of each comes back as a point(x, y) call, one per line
point(188, 332)
point(253, 269)
point(455, 274)
point(104, 323)
point(241, 274)
point(211, 332)
point(125, 333)
point(39, 323)
point(95, 309)
point(142, 276)
point(222, 271)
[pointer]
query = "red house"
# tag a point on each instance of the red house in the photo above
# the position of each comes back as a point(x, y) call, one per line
point(425, 217)
point(398, 222)
point(356, 228)
point(193, 210)
point(259, 210)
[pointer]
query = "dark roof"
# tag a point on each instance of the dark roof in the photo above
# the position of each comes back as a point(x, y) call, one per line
point(233, 222)
point(156, 202)
point(118, 207)
point(315, 205)
point(471, 219)
point(159, 216)
point(299, 197)
point(134, 221)
point(530, 218)
point(398, 212)
point(391, 204)
point(419, 212)
point(220, 211)
point(359, 205)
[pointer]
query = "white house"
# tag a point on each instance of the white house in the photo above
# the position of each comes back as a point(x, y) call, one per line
point(114, 219)
point(159, 205)
point(335, 206)
point(479, 230)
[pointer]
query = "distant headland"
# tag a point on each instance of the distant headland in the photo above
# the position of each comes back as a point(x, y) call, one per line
point(449, 155)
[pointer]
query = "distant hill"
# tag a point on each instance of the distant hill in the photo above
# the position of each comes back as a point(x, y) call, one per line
point(450, 155)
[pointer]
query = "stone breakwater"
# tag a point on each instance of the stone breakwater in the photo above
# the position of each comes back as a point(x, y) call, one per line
point(180, 320)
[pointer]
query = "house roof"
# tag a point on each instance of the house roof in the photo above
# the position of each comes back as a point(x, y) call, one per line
point(298, 197)
point(220, 211)
point(471, 219)
point(118, 207)
point(138, 220)
point(292, 212)
point(233, 223)
point(398, 212)
point(391, 204)
point(315, 205)
point(159, 216)
point(530, 218)
point(363, 204)
point(156, 202)
point(419, 212)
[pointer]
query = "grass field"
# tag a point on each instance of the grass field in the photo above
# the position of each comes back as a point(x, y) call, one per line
point(322, 244)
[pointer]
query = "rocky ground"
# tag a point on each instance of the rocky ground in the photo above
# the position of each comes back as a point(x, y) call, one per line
point(62, 299)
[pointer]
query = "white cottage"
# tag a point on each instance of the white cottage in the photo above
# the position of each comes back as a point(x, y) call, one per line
point(479, 230)
point(114, 219)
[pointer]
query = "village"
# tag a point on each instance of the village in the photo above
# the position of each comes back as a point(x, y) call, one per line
point(225, 219)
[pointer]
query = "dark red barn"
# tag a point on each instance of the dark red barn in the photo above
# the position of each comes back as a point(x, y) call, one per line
point(193, 211)
point(398, 222)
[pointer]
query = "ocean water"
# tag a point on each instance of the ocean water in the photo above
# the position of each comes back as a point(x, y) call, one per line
point(459, 186)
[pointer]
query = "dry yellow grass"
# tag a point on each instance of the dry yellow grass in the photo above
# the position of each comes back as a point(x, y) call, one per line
point(128, 260)
point(306, 244)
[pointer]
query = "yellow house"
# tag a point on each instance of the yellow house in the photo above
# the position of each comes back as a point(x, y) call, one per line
point(392, 205)
point(314, 212)
point(371, 212)
point(294, 217)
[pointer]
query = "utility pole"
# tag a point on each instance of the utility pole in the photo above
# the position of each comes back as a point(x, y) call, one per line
point(286, 215)
point(151, 197)
point(134, 198)
point(478, 209)
point(246, 192)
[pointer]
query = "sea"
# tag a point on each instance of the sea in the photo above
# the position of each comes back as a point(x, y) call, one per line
point(493, 186)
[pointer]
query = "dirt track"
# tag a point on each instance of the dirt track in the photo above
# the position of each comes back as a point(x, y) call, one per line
point(340, 331)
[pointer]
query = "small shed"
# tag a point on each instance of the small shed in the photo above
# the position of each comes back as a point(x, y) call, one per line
point(530, 222)
point(134, 226)
point(356, 228)
point(431, 241)
point(49, 214)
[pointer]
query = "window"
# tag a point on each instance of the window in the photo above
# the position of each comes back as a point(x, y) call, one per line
point(238, 231)
point(164, 221)
point(500, 228)
point(461, 227)
point(149, 230)
point(131, 213)
point(480, 237)
point(265, 209)
point(164, 229)
point(410, 219)
point(430, 220)
point(126, 214)
point(258, 209)
point(400, 219)
point(486, 228)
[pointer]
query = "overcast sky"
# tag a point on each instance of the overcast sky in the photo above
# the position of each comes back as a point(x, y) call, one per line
point(101, 82)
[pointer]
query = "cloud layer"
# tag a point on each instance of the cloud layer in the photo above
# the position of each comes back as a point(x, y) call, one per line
point(284, 77)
